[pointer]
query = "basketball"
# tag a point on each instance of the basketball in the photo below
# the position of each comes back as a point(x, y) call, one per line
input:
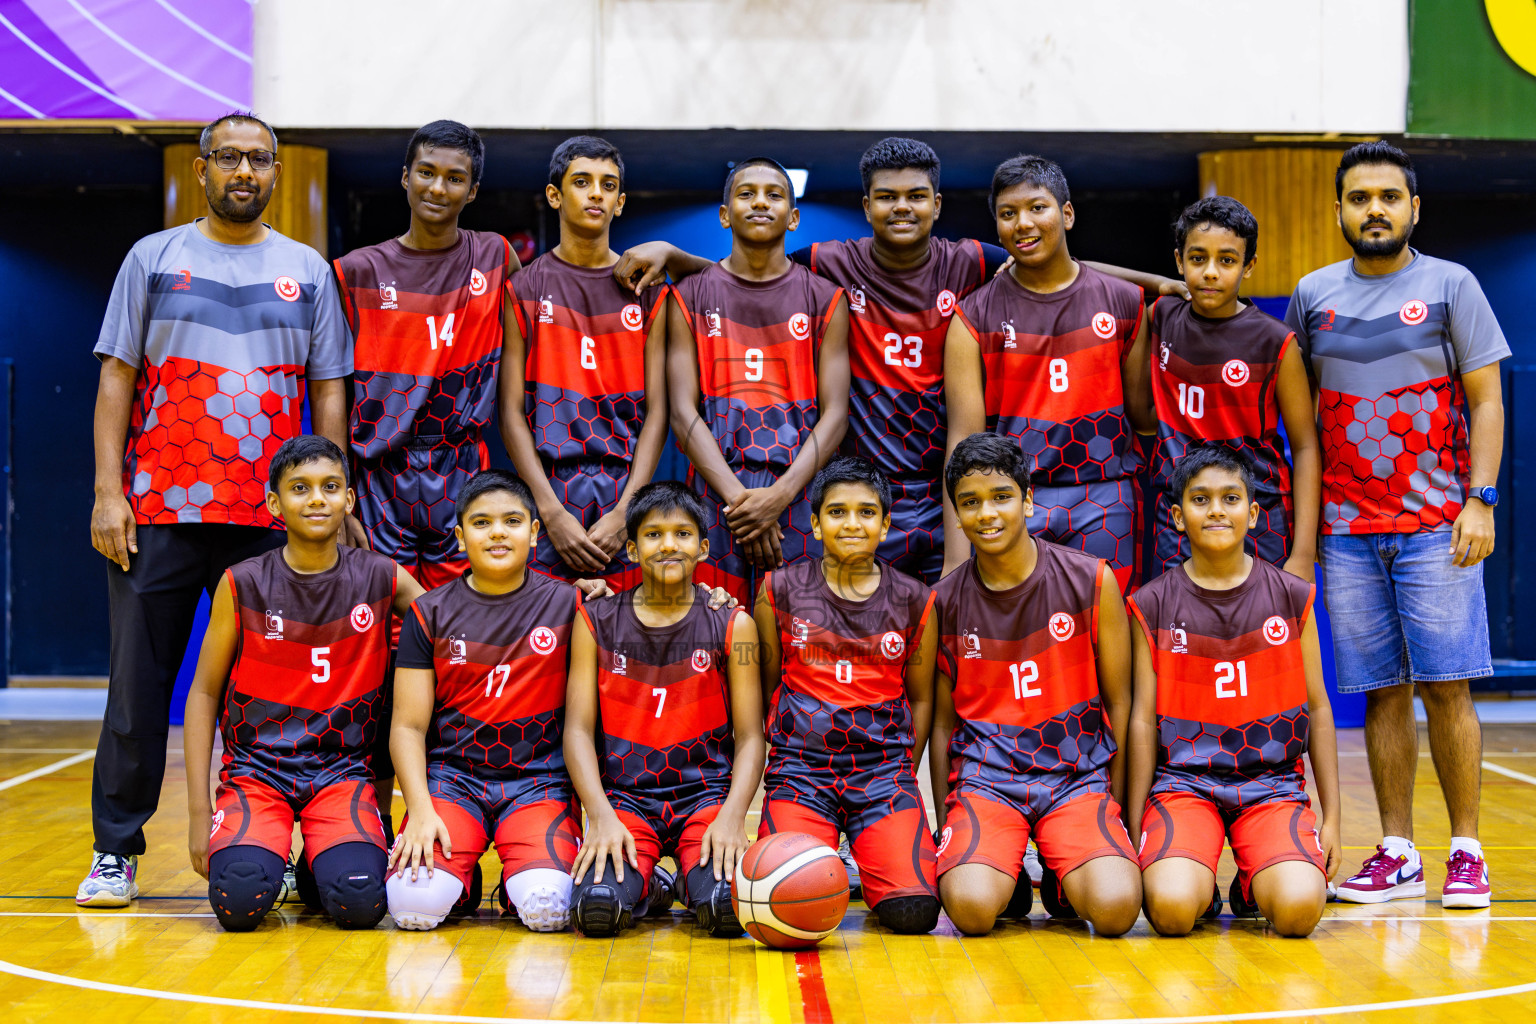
point(791, 891)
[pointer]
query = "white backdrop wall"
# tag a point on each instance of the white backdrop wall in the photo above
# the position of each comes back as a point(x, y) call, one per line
point(1049, 65)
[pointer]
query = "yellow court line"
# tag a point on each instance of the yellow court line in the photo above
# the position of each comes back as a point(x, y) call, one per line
point(772, 989)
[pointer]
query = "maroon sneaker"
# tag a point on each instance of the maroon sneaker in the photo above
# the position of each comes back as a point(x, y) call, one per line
point(1382, 878)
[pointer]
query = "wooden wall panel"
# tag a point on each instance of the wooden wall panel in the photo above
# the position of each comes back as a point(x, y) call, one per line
point(298, 206)
point(1290, 191)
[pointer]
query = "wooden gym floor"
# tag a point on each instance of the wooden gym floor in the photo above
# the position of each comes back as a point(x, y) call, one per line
point(166, 959)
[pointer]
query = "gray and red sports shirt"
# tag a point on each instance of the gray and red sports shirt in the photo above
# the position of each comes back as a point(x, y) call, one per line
point(1387, 353)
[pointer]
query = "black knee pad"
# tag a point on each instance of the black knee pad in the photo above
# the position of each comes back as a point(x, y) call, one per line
point(909, 915)
point(711, 904)
point(605, 908)
point(243, 884)
point(350, 878)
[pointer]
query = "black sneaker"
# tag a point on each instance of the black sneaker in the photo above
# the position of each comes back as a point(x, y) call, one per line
point(599, 912)
point(1023, 899)
point(1213, 911)
point(1241, 905)
point(1052, 897)
point(468, 904)
point(663, 891)
point(716, 915)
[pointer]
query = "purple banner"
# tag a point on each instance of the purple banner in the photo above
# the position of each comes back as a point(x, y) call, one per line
point(173, 60)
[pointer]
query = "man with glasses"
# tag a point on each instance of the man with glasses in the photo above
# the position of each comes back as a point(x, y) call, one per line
point(212, 334)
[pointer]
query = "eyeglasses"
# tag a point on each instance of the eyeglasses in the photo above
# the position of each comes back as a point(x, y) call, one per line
point(229, 158)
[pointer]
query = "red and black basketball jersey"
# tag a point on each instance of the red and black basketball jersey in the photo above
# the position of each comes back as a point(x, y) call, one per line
point(500, 663)
point(842, 698)
point(585, 359)
point(427, 325)
point(1024, 667)
point(1215, 380)
point(757, 343)
point(663, 704)
point(1052, 365)
point(1231, 684)
point(301, 708)
point(896, 326)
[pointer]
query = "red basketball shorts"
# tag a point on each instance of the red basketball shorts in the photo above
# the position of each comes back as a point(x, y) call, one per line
point(655, 839)
point(1192, 827)
point(981, 830)
point(543, 834)
point(247, 812)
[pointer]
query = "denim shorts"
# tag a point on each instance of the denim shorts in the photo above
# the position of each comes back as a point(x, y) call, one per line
point(1401, 612)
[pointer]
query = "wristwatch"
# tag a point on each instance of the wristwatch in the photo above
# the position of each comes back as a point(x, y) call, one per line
point(1487, 495)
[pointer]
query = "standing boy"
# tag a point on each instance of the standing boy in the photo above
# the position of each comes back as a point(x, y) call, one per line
point(848, 656)
point(1229, 696)
point(479, 701)
point(1043, 353)
point(1225, 371)
point(1034, 687)
point(757, 366)
point(664, 729)
point(583, 385)
point(292, 669)
point(427, 310)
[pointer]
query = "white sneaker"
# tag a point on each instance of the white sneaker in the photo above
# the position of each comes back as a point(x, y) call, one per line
point(113, 881)
point(1032, 865)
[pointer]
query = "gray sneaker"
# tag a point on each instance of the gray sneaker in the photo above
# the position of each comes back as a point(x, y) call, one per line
point(113, 881)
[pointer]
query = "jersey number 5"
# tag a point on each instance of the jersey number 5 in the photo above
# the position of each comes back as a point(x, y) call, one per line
point(1024, 673)
point(320, 657)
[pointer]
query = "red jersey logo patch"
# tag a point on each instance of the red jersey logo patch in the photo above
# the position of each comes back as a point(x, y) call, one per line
point(893, 645)
point(477, 282)
point(1062, 626)
point(1104, 325)
point(287, 288)
point(1235, 372)
point(634, 317)
point(362, 618)
point(946, 302)
point(1413, 312)
point(542, 640)
point(1276, 630)
point(700, 660)
point(182, 281)
point(800, 326)
point(218, 819)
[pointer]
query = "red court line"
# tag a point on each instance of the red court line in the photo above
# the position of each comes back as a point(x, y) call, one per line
point(813, 988)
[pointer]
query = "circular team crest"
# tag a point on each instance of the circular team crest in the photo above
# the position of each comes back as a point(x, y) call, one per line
point(362, 618)
point(542, 639)
point(946, 302)
point(944, 838)
point(477, 283)
point(218, 819)
point(287, 288)
point(1104, 325)
point(893, 645)
point(634, 317)
point(1413, 312)
point(1062, 626)
point(700, 660)
point(800, 326)
point(1235, 372)
point(1276, 630)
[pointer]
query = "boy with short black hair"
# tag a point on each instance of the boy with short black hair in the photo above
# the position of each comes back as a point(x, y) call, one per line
point(583, 373)
point(1034, 687)
point(848, 657)
point(757, 366)
point(664, 730)
point(1229, 695)
point(1224, 371)
point(1046, 353)
point(292, 671)
point(479, 700)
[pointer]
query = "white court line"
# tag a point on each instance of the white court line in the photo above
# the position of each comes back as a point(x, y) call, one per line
point(47, 769)
point(7, 967)
point(1509, 773)
point(86, 915)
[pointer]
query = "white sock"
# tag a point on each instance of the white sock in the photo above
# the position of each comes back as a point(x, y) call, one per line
point(1471, 846)
point(1397, 846)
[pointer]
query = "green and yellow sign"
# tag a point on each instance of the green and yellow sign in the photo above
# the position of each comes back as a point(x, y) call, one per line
point(1472, 68)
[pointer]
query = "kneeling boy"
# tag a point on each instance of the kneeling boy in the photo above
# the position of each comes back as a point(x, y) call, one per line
point(293, 667)
point(675, 686)
point(1034, 686)
point(1229, 695)
point(479, 700)
point(848, 656)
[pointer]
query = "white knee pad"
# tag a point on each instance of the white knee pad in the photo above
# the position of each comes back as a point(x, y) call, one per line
point(542, 897)
point(421, 905)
